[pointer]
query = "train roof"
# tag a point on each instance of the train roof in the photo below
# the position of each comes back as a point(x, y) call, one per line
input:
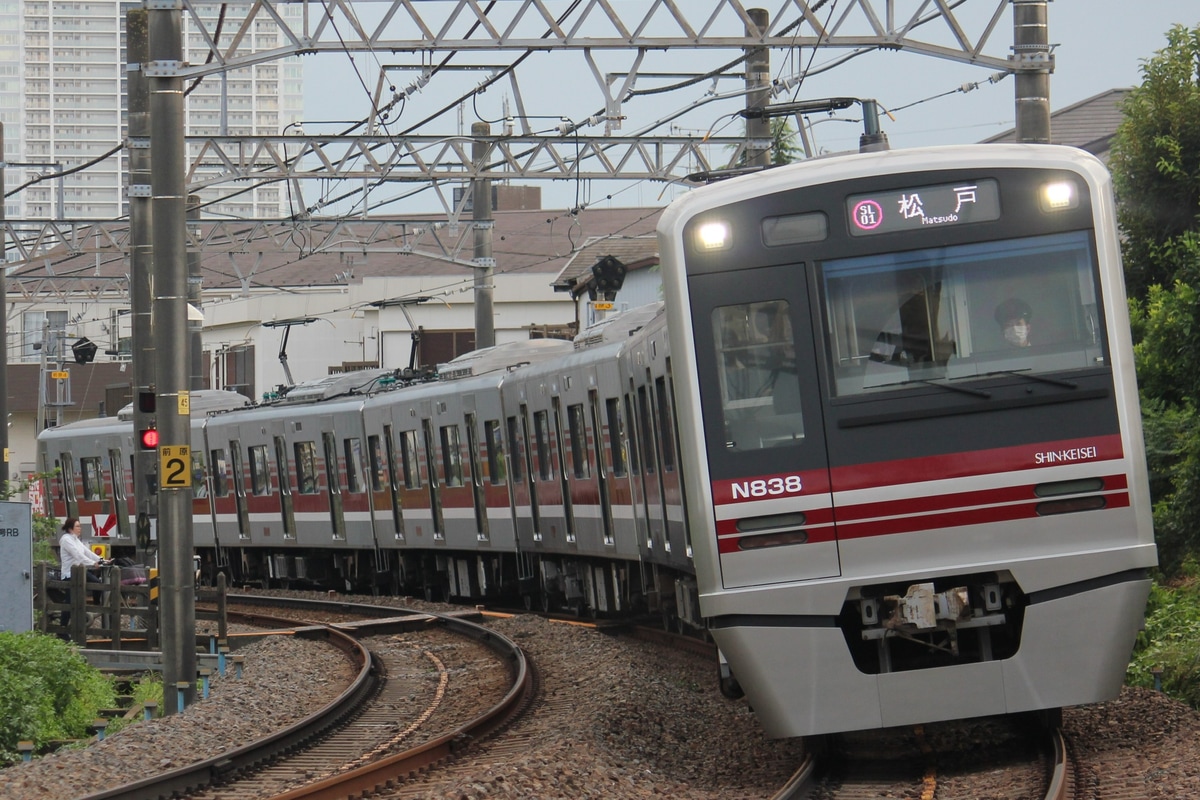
point(503, 357)
point(618, 327)
point(202, 402)
point(342, 384)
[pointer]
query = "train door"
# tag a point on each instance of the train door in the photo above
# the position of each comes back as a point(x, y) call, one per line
point(287, 507)
point(429, 443)
point(239, 489)
point(763, 430)
point(604, 464)
point(121, 506)
point(393, 501)
point(478, 497)
point(564, 485)
point(333, 481)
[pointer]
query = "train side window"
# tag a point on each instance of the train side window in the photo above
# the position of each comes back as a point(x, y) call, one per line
point(375, 451)
point(199, 475)
point(353, 448)
point(646, 429)
point(518, 453)
point(306, 467)
point(616, 435)
point(494, 441)
point(759, 384)
point(635, 461)
point(93, 482)
point(541, 435)
point(219, 475)
point(452, 466)
point(408, 455)
point(281, 466)
point(393, 482)
point(666, 428)
point(260, 470)
point(580, 461)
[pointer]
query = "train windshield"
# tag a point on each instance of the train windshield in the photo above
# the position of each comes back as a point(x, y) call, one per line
point(1025, 305)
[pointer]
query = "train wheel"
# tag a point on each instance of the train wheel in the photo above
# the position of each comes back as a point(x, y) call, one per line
point(729, 686)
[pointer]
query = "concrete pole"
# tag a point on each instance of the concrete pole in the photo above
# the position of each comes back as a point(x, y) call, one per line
point(4, 327)
point(141, 267)
point(485, 264)
point(1034, 62)
point(177, 595)
point(195, 285)
point(758, 90)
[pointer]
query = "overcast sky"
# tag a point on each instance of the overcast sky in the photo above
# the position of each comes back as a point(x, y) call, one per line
point(1099, 45)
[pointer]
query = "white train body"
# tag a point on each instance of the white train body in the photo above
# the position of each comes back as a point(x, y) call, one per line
point(829, 458)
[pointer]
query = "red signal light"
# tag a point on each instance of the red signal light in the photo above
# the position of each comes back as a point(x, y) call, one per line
point(149, 439)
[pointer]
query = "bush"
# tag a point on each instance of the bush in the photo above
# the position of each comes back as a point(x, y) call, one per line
point(47, 692)
point(1171, 639)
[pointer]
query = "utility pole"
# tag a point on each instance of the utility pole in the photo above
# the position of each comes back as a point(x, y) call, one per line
point(141, 268)
point(758, 90)
point(3, 326)
point(1033, 64)
point(172, 399)
point(485, 264)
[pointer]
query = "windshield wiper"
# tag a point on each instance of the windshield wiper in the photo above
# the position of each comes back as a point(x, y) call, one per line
point(1024, 373)
point(941, 385)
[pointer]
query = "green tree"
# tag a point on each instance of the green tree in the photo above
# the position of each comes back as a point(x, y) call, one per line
point(784, 149)
point(1156, 170)
point(1155, 163)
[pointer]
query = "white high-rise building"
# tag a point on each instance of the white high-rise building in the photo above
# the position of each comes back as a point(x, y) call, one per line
point(63, 104)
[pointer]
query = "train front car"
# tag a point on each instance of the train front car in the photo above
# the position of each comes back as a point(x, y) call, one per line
point(906, 382)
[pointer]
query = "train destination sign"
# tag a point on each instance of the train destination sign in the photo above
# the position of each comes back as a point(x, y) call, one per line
point(923, 206)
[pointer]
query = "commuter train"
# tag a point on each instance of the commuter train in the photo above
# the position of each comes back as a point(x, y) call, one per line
point(887, 452)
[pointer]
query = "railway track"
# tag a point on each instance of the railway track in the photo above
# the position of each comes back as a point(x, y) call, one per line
point(962, 760)
point(391, 721)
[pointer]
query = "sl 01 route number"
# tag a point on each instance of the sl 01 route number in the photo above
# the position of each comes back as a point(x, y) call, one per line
point(174, 467)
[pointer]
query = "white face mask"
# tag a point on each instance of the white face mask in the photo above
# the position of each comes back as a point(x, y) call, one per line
point(1017, 333)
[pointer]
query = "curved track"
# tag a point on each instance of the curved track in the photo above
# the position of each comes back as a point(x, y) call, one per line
point(357, 735)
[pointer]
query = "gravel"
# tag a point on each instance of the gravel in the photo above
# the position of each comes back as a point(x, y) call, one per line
point(627, 719)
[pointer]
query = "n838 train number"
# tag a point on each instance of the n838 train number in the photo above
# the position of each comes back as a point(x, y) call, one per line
point(778, 486)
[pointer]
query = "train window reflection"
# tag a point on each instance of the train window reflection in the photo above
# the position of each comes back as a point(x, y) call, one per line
point(900, 319)
point(760, 389)
point(260, 470)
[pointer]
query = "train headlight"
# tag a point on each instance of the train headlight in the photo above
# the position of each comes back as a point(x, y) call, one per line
point(712, 236)
point(1058, 196)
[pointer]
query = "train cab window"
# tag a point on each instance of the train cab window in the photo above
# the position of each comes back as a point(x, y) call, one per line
point(306, 467)
point(897, 320)
point(408, 456)
point(580, 461)
point(541, 435)
point(452, 466)
point(220, 482)
point(375, 451)
point(760, 388)
point(93, 480)
point(353, 452)
point(494, 441)
point(260, 470)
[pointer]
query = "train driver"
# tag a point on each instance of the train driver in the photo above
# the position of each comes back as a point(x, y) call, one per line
point(1014, 316)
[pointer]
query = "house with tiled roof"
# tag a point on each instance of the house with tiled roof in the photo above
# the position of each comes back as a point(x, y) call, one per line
point(345, 295)
point(1089, 124)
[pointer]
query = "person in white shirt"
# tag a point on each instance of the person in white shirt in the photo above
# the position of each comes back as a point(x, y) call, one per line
point(73, 552)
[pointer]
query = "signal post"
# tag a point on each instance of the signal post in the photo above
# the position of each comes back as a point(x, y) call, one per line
point(169, 321)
